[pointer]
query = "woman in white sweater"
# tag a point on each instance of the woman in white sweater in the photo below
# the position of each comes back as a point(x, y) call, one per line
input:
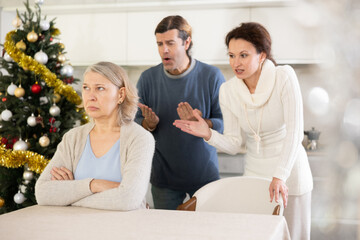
point(263, 113)
point(104, 164)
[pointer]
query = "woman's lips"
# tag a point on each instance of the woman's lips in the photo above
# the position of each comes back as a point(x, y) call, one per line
point(92, 108)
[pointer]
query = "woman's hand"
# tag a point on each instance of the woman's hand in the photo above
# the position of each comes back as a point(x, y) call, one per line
point(61, 173)
point(100, 185)
point(277, 186)
point(198, 128)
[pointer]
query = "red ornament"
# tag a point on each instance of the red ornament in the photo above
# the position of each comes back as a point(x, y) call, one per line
point(4, 141)
point(4, 99)
point(36, 88)
point(51, 39)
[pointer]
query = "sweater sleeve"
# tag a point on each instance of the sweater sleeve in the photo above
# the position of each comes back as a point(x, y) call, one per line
point(61, 193)
point(135, 180)
point(231, 141)
point(216, 115)
point(294, 121)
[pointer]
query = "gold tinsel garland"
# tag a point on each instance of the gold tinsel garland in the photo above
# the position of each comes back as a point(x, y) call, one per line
point(31, 64)
point(35, 161)
point(16, 159)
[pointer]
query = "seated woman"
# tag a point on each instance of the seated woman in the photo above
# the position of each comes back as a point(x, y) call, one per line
point(104, 164)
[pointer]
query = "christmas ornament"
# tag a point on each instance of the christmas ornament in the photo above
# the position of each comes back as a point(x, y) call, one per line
point(19, 198)
point(36, 88)
point(26, 62)
point(54, 110)
point(19, 92)
point(56, 98)
point(11, 89)
point(44, 25)
point(32, 36)
point(61, 58)
point(2, 202)
point(28, 175)
point(67, 71)
point(41, 57)
point(62, 46)
point(44, 141)
point(7, 57)
point(31, 121)
point(39, 120)
point(21, 45)
point(23, 187)
point(6, 115)
point(39, 2)
point(16, 22)
point(20, 145)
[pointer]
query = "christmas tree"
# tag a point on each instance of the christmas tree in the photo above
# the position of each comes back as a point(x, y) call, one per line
point(37, 104)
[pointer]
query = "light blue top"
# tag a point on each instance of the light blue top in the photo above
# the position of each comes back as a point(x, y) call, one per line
point(106, 167)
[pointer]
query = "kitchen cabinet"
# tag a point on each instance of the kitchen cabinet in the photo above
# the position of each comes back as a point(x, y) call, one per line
point(231, 165)
point(93, 37)
point(209, 30)
point(291, 42)
point(126, 36)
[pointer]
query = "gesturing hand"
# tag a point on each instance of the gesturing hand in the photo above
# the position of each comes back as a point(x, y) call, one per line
point(150, 118)
point(277, 186)
point(61, 173)
point(185, 112)
point(198, 128)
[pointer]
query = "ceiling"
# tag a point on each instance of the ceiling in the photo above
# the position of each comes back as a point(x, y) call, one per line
point(9, 4)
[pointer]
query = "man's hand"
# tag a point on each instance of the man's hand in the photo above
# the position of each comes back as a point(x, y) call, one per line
point(185, 112)
point(151, 120)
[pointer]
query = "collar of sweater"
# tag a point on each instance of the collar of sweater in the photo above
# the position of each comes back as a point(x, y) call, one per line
point(263, 89)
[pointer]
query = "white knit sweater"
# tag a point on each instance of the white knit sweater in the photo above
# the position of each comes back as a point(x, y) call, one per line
point(136, 152)
point(277, 104)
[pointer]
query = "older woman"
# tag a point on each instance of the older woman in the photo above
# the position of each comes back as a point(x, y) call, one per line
point(263, 103)
point(104, 164)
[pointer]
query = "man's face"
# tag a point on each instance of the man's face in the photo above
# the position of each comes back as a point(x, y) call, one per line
point(172, 50)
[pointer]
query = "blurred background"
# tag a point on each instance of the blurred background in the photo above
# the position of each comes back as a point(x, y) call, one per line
point(320, 39)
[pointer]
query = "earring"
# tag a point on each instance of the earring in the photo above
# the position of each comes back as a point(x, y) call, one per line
point(120, 102)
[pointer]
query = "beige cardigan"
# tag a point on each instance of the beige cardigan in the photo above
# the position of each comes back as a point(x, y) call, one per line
point(136, 152)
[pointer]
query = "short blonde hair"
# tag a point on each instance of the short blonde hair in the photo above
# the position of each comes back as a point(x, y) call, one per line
point(118, 76)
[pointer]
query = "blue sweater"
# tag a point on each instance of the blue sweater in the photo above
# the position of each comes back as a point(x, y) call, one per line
point(182, 161)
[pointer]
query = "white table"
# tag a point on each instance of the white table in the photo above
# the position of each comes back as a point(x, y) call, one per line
point(45, 222)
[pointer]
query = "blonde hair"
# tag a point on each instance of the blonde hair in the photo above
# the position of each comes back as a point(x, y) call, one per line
point(118, 76)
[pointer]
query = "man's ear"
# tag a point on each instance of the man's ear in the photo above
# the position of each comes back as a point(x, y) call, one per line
point(187, 43)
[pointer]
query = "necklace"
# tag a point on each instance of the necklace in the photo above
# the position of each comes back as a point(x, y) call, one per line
point(256, 135)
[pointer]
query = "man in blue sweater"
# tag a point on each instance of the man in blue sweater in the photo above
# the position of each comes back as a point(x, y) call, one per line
point(171, 90)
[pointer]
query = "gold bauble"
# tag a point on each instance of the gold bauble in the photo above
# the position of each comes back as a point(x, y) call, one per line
point(56, 97)
point(16, 22)
point(62, 46)
point(21, 45)
point(2, 202)
point(19, 92)
point(61, 58)
point(44, 141)
point(32, 36)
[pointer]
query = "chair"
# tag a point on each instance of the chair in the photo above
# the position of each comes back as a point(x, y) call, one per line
point(235, 194)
